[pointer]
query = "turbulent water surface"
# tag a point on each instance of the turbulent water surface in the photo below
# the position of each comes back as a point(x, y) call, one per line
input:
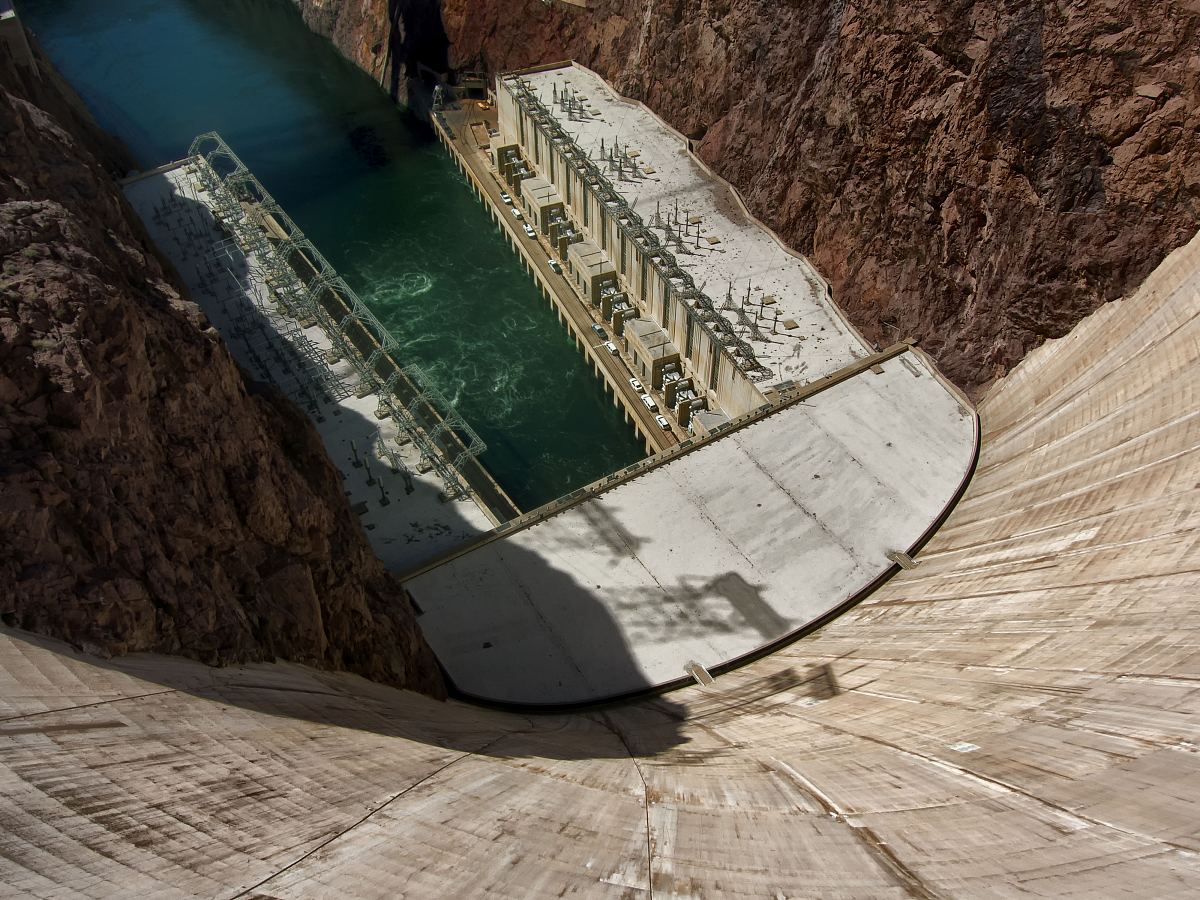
point(373, 190)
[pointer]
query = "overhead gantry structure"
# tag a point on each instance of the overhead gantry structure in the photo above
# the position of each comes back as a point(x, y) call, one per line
point(308, 288)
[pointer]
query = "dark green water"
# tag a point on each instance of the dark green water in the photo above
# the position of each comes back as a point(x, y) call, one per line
point(373, 190)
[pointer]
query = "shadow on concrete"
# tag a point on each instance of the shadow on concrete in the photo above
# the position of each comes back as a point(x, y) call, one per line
point(745, 600)
point(337, 700)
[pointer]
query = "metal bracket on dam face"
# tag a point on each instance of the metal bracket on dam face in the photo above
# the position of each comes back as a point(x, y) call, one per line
point(309, 288)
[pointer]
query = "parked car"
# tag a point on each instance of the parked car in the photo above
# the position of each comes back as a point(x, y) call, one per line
point(505, 197)
point(555, 266)
point(636, 385)
point(610, 347)
point(663, 423)
point(516, 212)
point(650, 404)
point(529, 232)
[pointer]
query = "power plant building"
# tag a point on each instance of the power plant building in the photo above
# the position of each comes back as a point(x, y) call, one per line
point(648, 233)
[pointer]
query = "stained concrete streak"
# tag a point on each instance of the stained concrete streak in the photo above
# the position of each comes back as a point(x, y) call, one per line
point(345, 831)
point(82, 706)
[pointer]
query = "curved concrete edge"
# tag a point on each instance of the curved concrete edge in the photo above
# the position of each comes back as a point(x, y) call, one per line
point(731, 665)
point(774, 646)
point(644, 466)
point(711, 559)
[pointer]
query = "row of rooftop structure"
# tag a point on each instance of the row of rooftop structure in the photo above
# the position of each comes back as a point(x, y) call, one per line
point(580, 160)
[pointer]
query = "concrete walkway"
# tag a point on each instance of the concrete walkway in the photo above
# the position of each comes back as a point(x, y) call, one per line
point(396, 495)
point(711, 555)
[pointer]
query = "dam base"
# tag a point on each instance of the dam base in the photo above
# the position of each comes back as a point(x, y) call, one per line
point(1015, 717)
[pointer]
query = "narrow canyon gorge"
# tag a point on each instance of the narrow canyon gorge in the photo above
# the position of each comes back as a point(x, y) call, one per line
point(1004, 700)
point(976, 176)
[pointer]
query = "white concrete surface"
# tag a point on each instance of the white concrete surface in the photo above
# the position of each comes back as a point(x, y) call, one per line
point(415, 524)
point(747, 253)
point(710, 556)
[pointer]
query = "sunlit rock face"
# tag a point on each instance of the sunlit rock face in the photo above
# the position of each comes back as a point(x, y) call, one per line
point(979, 176)
point(151, 497)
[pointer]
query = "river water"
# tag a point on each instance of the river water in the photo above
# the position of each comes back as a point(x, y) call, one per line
point(372, 188)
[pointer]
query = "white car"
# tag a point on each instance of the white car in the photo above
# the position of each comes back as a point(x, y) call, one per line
point(516, 212)
point(610, 347)
point(529, 232)
point(506, 198)
point(555, 266)
point(636, 385)
point(650, 404)
point(663, 423)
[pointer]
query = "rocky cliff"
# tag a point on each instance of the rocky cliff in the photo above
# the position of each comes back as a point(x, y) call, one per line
point(980, 175)
point(151, 497)
point(400, 43)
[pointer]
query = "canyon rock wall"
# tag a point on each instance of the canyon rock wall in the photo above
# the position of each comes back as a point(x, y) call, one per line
point(977, 175)
point(151, 496)
point(400, 43)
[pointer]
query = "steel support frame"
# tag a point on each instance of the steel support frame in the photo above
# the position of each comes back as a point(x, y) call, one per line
point(274, 255)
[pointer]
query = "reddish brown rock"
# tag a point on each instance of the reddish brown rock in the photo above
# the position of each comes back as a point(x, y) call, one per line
point(151, 498)
point(399, 43)
point(978, 175)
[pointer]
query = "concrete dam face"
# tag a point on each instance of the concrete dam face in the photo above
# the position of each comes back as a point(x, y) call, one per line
point(1016, 715)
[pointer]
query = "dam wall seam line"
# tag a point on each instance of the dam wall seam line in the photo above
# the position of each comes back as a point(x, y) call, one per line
point(390, 800)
